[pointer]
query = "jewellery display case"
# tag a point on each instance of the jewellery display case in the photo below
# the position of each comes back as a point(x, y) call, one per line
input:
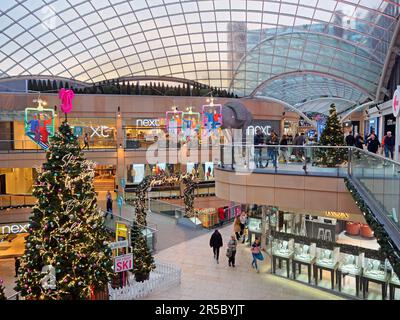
point(282, 250)
point(326, 260)
point(304, 252)
point(304, 255)
point(375, 271)
point(350, 265)
point(394, 283)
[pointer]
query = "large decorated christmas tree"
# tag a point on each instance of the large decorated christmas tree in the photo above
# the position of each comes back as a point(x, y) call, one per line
point(66, 252)
point(332, 135)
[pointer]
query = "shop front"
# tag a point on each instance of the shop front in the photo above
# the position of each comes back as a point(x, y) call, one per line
point(14, 227)
point(101, 133)
point(140, 133)
point(330, 250)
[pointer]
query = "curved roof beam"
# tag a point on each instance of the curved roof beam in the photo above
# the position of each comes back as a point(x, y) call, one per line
point(393, 51)
point(289, 106)
point(304, 72)
point(360, 107)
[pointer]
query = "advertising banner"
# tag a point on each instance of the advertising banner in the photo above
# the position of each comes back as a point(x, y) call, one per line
point(123, 263)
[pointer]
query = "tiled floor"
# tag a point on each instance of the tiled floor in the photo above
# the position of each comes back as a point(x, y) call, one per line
point(203, 278)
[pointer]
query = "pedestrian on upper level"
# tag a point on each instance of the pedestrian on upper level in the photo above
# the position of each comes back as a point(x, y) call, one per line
point(284, 150)
point(359, 141)
point(388, 144)
point(216, 243)
point(259, 141)
point(373, 144)
point(350, 140)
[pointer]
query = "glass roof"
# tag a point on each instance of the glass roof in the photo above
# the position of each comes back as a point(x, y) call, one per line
point(225, 43)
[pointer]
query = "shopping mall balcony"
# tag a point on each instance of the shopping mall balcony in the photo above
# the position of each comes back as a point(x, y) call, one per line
point(313, 180)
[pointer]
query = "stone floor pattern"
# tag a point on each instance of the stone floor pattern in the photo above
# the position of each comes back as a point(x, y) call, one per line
point(203, 278)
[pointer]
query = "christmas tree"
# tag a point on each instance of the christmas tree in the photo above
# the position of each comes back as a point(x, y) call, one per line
point(143, 262)
point(2, 294)
point(332, 135)
point(66, 253)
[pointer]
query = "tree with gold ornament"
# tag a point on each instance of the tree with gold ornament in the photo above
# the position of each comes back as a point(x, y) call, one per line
point(332, 135)
point(66, 252)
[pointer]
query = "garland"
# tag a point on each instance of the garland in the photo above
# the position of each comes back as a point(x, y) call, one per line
point(388, 247)
point(140, 202)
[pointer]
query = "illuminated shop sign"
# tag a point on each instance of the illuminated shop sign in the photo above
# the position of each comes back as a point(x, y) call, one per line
point(337, 215)
point(100, 131)
point(266, 127)
point(147, 122)
point(14, 228)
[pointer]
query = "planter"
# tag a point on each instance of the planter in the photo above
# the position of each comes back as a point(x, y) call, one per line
point(141, 277)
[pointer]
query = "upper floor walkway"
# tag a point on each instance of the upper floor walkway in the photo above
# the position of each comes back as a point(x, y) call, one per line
point(311, 178)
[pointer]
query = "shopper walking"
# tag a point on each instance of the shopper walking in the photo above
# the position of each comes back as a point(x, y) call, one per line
point(17, 266)
point(216, 244)
point(231, 251)
point(86, 141)
point(109, 205)
point(373, 144)
point(259, 140)
point(272, 151)
point(236, 227)
point(284, 150)
point(221, 216)
point(350, 140)
point(243, 220)
point(256, 253)
point(359, 142)
point(388, 143)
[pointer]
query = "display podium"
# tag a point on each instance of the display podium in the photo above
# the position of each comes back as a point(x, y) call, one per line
point(350, 265)
point(304, 255)
point(282, 250)
point(326, 260)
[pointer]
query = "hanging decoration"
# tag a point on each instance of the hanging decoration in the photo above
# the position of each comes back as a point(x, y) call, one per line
point(174, 122)
point(212, 118)
point(39, 124)
point(190, 123)
point(388, 247)
point(66, 97)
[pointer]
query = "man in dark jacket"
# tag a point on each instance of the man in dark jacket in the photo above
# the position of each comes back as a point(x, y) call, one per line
point(350, 141)
point(373, 144)
point(388, 142)
point(259, 140)
point(216, 243)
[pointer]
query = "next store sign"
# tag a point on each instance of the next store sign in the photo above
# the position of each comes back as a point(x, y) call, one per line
point(14, 228)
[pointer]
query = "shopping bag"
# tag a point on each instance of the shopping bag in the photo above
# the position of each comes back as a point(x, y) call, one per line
point(259, 256)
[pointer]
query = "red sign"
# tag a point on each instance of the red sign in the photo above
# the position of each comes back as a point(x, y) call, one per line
point(123, 263)
point(396, 103)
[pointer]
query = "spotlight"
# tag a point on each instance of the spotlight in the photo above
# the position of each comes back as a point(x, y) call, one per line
point(119, 111)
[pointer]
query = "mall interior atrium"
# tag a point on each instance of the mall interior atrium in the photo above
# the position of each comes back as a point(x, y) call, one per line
point(164, 149)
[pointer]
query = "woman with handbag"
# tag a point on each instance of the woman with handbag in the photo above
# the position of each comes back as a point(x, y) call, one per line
point(256, 253)
point(231, 251)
